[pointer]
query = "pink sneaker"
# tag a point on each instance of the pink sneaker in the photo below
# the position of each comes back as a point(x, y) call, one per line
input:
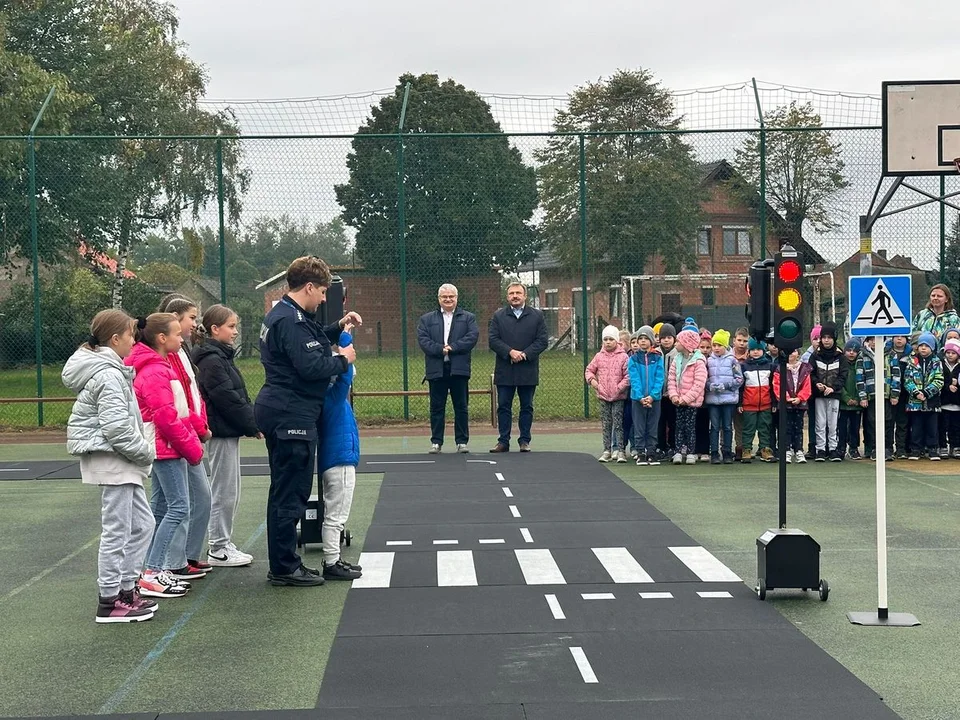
point(117, 609)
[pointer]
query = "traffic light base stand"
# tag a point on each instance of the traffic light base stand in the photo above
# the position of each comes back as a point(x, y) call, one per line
point(875, 619)
point(789, 559)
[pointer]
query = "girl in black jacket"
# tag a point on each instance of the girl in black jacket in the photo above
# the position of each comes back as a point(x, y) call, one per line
point(230, 416)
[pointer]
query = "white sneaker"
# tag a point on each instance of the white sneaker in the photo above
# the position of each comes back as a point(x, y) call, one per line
point(605, 456)
point(790, 456)
point(704, 458)
point(692, 459)
point(434, 449)
point(799, 457)
point(238, 550)
point(678, 459)
point(228, 557)
point(621, 456)
point(462, 448)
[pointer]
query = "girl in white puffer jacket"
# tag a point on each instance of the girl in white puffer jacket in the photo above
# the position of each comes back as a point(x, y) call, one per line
point(106, 431)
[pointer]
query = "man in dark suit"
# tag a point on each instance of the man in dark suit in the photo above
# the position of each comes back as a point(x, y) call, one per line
point(518, 334)
point(447, 336)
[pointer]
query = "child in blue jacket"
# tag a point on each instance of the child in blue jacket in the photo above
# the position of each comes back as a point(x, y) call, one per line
point(646, 372)
point(337, 460)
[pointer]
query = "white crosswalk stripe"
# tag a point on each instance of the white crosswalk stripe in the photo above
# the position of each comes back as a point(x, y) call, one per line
point(538, 566)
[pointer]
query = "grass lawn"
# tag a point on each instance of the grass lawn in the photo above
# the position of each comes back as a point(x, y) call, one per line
point(560, 395)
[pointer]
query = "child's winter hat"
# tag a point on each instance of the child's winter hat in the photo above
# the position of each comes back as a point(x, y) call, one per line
point(950, 330)
point(645, 331)
point(722, 337)
point(705, 335)
point(815, 332)
point(828, 329)
point(689, 339)
point(928, 339)
point(656, 328)
point(610, 331)
point(690, 324)
point(853, 344)
point(667, 330)
point(755, 344)
point(952, 345)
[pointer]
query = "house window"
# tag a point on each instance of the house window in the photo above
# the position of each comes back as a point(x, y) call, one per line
point(703, 241)
point(669, 303)
point(614, 301)
point(551, 299)
point(708, 297)
point(737, 241)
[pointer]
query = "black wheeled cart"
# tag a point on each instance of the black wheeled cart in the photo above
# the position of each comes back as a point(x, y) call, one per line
point(311, 525)
point(789, 558)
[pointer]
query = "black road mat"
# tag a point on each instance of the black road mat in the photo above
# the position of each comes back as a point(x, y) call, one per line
point(564, 597)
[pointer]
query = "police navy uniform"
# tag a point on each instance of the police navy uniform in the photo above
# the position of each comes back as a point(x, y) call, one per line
point(298, 363)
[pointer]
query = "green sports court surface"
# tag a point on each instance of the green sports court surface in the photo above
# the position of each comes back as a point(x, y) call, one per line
point(236, 643)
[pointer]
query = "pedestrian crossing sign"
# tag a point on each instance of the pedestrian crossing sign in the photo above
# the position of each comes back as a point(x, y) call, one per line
point(880, 304)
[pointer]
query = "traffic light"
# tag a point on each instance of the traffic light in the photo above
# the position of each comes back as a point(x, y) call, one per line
point(788, 300)
point(758, 299)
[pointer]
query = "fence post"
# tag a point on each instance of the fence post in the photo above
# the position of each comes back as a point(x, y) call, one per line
point(221, 229)
point(402, 241)
point(583, 270)
point(763, 173)
point(35, 250)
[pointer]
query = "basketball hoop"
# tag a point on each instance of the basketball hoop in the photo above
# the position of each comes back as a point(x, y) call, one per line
point(956, 164)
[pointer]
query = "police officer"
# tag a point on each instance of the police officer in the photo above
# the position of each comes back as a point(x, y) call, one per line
point(296, 357)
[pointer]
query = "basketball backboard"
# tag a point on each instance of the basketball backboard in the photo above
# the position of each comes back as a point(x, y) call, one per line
point(921, 127)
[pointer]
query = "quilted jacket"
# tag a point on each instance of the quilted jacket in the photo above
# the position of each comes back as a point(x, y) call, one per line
point(609, 369)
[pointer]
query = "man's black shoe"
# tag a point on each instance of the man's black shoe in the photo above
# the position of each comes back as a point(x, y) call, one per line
point(340, 571)
point(301, 577)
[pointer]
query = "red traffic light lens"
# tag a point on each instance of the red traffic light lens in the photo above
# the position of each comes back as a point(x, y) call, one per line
point(789, 271)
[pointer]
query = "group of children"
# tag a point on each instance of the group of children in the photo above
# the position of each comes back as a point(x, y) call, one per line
point(152, 404)
point(689, 396)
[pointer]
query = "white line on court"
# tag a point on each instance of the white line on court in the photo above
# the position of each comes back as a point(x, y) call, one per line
point(488, 462)
point(656, 596)
point(455, 568)
point(598, 596)
point(704, 565)
point(499, 476)
point(527, 537)
point(555, 608)
point(583, 665)
point(377, 569)
point(491, 541)
point(400, 462)
point(514, 511)
point(721, 594)
point(507, 491)
point(621, 566)
point(41, 575)
point(14, 469)
point(446, 542)
point(391, 543)
point(252, 465)
point(539, 567)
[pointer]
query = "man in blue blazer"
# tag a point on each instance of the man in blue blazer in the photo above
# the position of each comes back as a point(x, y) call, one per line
point(447, 336)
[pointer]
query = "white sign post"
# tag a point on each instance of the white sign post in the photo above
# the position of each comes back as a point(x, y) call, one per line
point(879, 307)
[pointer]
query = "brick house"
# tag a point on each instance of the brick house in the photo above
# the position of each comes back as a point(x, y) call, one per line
point(376, 297)
point(726, 245)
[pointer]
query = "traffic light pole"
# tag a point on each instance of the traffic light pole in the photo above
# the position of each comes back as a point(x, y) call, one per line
point(783, 440)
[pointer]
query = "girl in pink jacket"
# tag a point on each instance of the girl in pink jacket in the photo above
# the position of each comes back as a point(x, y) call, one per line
point(607, 375)
point(165, 411)
point(686, 382)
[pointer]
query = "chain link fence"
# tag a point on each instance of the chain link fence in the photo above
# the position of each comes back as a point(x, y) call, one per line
point(603, 227)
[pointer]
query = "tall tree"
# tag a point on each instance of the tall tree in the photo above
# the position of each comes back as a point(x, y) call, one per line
point(468, 200)
point(643, 190)
point(126, 57)
point(950, 259)
point(271, 243)
point(804, 171)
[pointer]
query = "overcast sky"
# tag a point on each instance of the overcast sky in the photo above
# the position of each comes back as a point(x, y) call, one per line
point(308, 48)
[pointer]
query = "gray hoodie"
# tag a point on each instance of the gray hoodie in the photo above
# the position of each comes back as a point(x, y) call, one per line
point(105, 427)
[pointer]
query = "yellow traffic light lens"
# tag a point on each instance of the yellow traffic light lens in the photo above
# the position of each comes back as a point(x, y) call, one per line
point(788, 299)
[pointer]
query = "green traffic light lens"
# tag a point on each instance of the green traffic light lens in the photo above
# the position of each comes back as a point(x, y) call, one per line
point(789, 328)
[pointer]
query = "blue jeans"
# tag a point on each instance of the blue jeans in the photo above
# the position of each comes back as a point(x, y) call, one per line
point(170, 502)
point(645, 422)
point(190, 534)
point(721, 418)
point(505, 395)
